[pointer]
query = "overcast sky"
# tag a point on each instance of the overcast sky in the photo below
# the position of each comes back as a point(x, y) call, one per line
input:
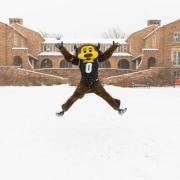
point(82, 18)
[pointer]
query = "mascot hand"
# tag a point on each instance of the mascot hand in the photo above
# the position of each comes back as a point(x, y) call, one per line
point(59, 45)
point(116, 44)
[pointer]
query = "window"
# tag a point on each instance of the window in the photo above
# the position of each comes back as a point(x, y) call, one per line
point(123, 64)
point(176, 58)
point(151, 62)
point(46, 63)
point(124, 49)
point(105, 64)
point(17, 61)
point(177, 74)
point(177, 37)
point(65, 64)
point(154, 41)
point(49, 48)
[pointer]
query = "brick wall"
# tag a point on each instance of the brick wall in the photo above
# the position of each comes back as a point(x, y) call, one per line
point(12, 76)
point(34, 39)
point(152, 77)
point(136, 40)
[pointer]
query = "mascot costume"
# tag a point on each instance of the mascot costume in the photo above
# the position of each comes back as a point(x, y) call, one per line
point(88, 57)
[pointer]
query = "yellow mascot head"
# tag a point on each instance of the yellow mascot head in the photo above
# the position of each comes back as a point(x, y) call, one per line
point(88, 52)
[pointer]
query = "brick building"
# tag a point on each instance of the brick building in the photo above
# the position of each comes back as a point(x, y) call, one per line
point(152, 46)
point(156, 46)
point(19, 46)
point(50, 57)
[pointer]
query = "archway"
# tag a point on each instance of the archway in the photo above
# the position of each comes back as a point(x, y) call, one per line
point(65, 64)
point(46, 63)
point(151, 62)
point(123, 64)
point(17, 61)
point(105, 64)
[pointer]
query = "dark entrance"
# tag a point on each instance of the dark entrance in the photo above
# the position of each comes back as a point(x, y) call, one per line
point(151, 62)
point(123, 64)
point(46, 63)
point(17, 61)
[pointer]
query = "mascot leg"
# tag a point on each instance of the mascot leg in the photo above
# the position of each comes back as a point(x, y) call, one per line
point(78, 93)
point(100, 91)
point(114, 103)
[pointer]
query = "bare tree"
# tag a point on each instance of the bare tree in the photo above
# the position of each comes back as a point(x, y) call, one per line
point(114, 33)
point(50, 35)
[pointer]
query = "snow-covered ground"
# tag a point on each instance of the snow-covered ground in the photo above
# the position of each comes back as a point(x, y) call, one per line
point(91, 142)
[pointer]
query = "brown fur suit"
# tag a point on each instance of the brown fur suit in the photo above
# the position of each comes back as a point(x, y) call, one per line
point(89, 82)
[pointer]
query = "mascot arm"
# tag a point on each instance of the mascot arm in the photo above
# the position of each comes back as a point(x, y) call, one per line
point(108, 53)
point(67, 55)
point(75, 61)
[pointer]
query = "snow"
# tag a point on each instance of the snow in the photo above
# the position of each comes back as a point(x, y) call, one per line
point(20, 48)
point(91, 141)
point(122, 54)
point(83, 41)
point(50, 53)
point(150, 49)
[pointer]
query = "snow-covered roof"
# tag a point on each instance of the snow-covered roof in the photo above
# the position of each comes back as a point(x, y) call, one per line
point(150, 49)
point(20, 48)
point(122, 54)
point(52, 53)
point(83, 41)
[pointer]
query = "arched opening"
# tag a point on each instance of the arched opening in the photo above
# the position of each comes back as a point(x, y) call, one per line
point(46, 63)
point(123, 64)
point(17, 61)
point(105, 64)
point(151, 62)
point(65, 64)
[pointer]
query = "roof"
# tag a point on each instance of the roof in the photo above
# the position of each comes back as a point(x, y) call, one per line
point(83, 41)
point(158, 28)
point(146, 28)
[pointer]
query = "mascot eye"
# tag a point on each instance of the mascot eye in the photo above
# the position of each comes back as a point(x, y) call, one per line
point(90, 50)
point(84, 51)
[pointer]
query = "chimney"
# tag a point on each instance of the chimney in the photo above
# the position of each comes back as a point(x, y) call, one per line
point(16, 20)
point(153, 22)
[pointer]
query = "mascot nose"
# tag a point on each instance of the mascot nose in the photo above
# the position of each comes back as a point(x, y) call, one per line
point(88, 55)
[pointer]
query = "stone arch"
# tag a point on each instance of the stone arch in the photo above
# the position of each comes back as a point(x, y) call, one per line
point(17, 61)
point(123, 64)
point(105, 64)
point(46, 63)
point(151, 62)
point(65, 64)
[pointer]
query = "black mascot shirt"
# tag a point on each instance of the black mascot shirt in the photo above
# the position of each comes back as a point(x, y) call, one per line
point(89, 70)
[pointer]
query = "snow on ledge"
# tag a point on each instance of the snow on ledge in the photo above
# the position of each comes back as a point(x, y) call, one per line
point(52, 53)
point(122, 54)
point(150, 49)
point(20, 48)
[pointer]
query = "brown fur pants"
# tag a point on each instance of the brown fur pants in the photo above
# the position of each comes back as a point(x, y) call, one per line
point(96, 88)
